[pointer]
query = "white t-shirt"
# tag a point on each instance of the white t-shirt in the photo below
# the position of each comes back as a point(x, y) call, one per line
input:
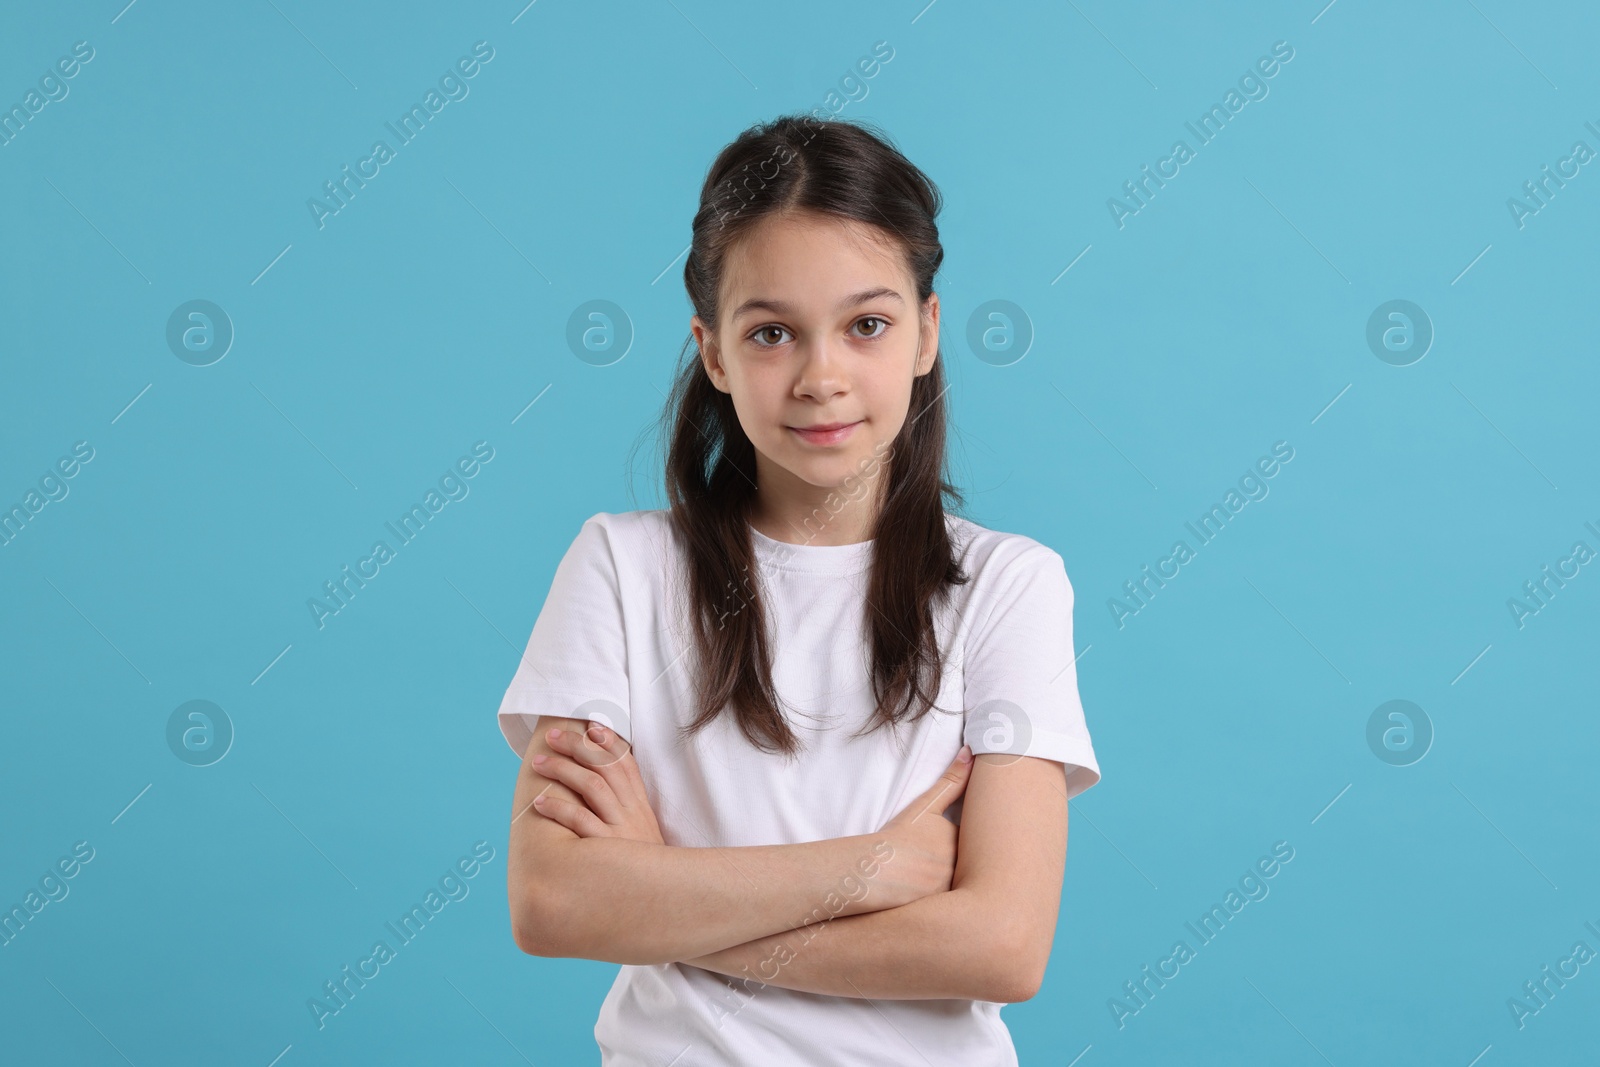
point(612, 644)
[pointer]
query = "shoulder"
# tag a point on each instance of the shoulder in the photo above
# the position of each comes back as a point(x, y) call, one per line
point(991, 556)
point(629, 537)
point(623, 523)
point(1017, 599)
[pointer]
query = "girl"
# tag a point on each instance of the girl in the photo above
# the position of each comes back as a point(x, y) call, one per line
point(780, 669)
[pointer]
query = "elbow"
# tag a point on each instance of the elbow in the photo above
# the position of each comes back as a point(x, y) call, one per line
point(1021, 972)
point(537, 922)
point(546, 922)
point(1018, 985)
point(529, 938)
point(1016, 950)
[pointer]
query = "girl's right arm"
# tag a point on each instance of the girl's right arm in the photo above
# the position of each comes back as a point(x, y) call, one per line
point(622, 900)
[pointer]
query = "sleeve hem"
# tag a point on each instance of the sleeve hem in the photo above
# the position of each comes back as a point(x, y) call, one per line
point(516, 716)
point(1076, 753)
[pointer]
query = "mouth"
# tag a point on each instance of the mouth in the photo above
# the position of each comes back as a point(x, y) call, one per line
point(829, 433)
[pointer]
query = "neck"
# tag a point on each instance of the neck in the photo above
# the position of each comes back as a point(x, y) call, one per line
point(791, 510)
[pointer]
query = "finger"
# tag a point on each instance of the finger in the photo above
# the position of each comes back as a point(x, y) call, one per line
point(951, 784)
point(603, 746)
point(581, 746)
point(584, 751)
point(575, 817)
point(608, 752)
point(631, 789)
point(589, 784)
point(961, 770)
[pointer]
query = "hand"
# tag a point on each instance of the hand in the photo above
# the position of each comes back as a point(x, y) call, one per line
point(599, 767)
point(924, 841)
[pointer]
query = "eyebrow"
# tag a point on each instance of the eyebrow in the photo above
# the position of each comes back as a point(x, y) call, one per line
point(783, 307)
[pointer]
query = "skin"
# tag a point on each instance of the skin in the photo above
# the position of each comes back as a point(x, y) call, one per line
point(971, 912)
point(589, 875)
point(822, 357)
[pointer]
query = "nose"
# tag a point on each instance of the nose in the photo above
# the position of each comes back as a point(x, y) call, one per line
point(821, 375)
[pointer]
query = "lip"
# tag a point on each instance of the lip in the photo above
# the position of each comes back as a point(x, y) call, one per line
point(825, 433)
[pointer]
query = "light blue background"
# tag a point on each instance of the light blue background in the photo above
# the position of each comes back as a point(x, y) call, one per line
point(1227, 315)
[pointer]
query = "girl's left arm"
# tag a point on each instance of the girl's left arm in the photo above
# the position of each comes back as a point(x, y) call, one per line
point(987, 938)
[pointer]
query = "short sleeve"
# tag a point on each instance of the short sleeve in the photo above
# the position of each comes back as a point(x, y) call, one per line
point(576, 661)
point(1021, 677)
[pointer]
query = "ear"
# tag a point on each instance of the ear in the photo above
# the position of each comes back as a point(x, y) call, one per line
point(710, 356)
point(928, 341)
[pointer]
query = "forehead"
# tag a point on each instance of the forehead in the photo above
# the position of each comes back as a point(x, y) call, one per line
point(809, 259)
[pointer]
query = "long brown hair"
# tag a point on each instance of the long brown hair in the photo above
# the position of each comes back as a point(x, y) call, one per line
point(849, 170)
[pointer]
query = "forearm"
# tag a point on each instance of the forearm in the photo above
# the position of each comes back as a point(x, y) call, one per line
point(629, 902)
point(625, 901)
point(946, 945)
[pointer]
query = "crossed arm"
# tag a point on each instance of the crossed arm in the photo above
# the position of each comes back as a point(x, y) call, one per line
point(837, 917)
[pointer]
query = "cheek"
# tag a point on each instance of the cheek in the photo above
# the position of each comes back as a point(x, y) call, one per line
point(756, 392)
point(758, 400)
point(889, 390)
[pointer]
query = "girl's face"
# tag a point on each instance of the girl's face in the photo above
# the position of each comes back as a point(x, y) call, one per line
point(820, 338)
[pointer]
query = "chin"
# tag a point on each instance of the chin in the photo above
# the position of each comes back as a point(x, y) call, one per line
point(834, 472)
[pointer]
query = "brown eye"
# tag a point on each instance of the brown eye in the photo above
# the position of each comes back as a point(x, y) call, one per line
point(875, 333)
point(764, 332)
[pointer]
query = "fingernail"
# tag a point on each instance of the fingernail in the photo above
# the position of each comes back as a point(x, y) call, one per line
point(540, 758)
point(538, 801)
point(965, 755)
point(553, 735)
point(597, 733)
